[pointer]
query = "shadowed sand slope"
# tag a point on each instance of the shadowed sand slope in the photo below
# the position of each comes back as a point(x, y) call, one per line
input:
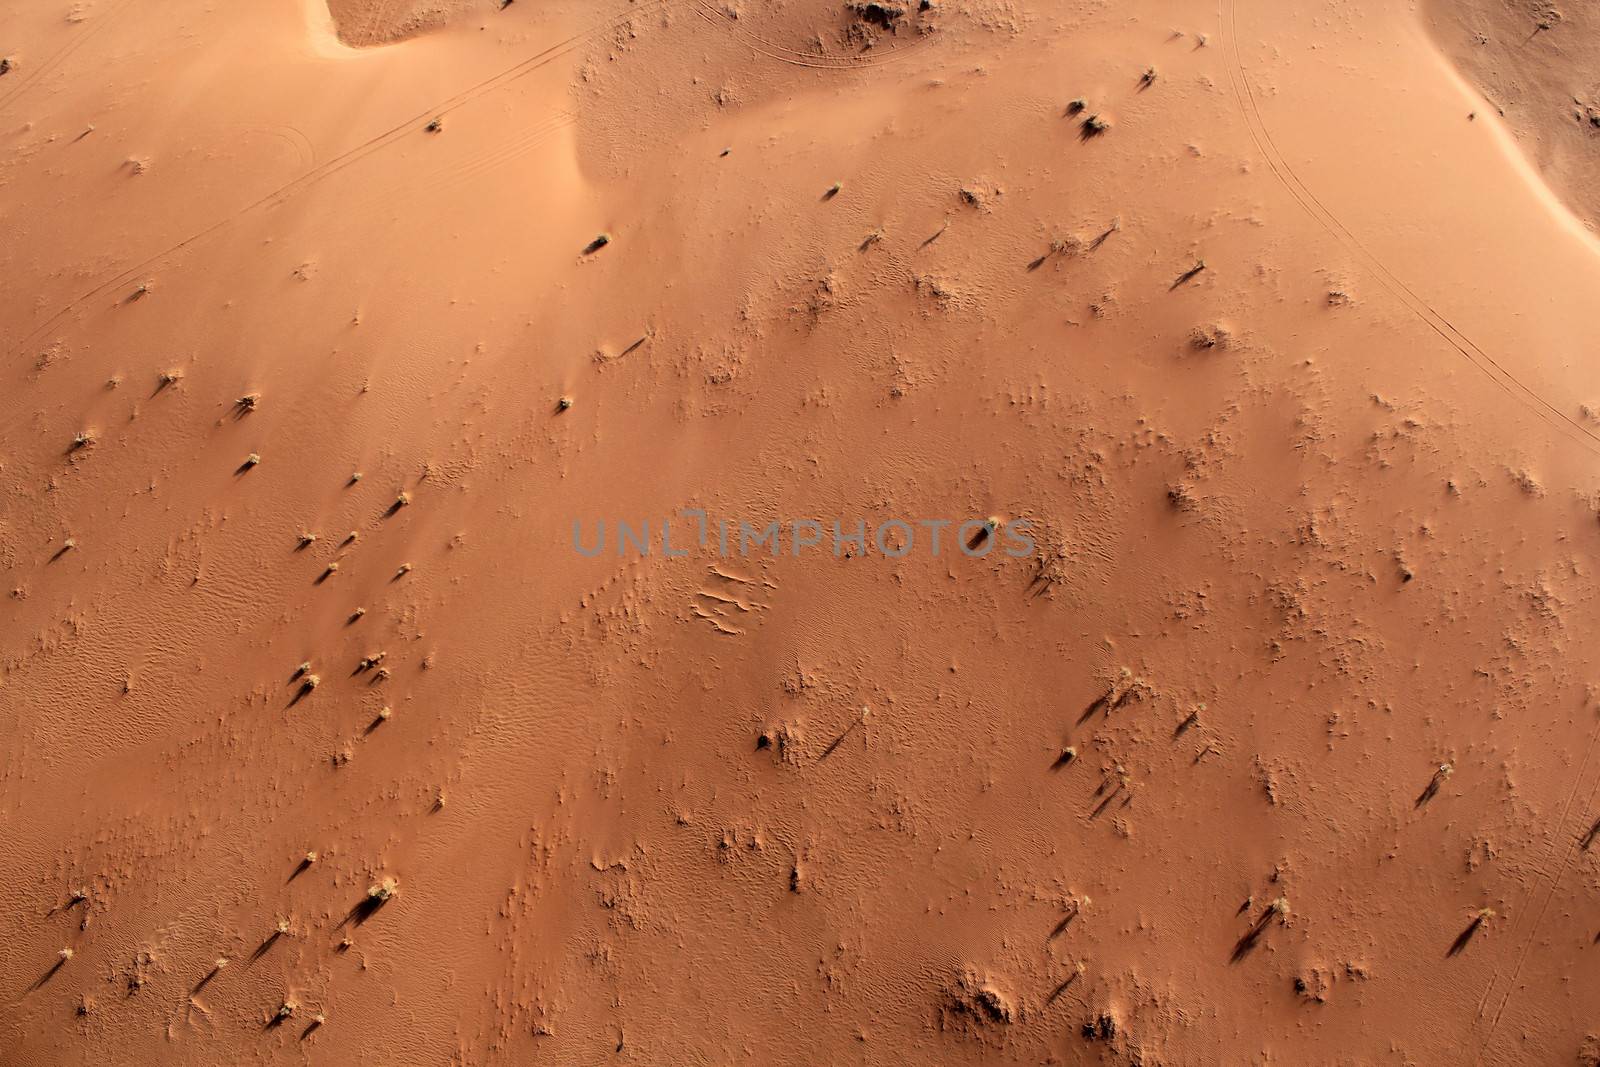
point(1538, 63)
point(322, 741)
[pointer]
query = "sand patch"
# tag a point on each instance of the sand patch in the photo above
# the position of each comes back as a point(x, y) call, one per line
point(365, 23)
point(1537, 64)
point(317, 362)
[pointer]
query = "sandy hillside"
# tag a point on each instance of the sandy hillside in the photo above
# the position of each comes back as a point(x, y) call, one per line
point(1538, 66)
point(323, 743)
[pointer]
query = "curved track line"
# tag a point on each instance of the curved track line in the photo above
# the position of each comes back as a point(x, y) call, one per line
point(1507, 381)
point(797, 58)
point(338, 163)
point(1573, 847)
point(1513, 386)
point(62, 54)
point(298, 143)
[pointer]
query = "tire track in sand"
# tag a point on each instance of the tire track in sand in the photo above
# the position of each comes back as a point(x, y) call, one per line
point(1514, 387)
point(1525, 941)
point(345, 159)
point(61, 55)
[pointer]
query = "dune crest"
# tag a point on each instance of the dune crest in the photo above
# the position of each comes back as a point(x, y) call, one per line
point(1535, 64)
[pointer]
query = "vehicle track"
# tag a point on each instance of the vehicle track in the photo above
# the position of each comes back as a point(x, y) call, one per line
point(1514, 387)
point(1518, 390)
point(31, 78)
point(316, 175)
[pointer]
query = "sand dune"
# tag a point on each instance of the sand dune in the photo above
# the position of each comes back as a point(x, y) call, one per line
point(1535, 64)
point(1280, 745)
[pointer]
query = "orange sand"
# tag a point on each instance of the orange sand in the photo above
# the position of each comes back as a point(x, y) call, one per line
point(1281, 580)
point(1537, 64)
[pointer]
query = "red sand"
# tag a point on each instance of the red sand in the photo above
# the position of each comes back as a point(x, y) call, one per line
point(1281, 581)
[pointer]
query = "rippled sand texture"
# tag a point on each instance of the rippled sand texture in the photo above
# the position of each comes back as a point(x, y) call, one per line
point(1284, 747)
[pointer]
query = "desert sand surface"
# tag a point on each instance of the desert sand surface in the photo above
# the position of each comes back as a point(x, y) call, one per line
point(322, 743)
point(1538, 66)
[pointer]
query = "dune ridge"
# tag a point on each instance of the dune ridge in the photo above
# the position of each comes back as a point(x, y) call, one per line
point(1534, 63)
